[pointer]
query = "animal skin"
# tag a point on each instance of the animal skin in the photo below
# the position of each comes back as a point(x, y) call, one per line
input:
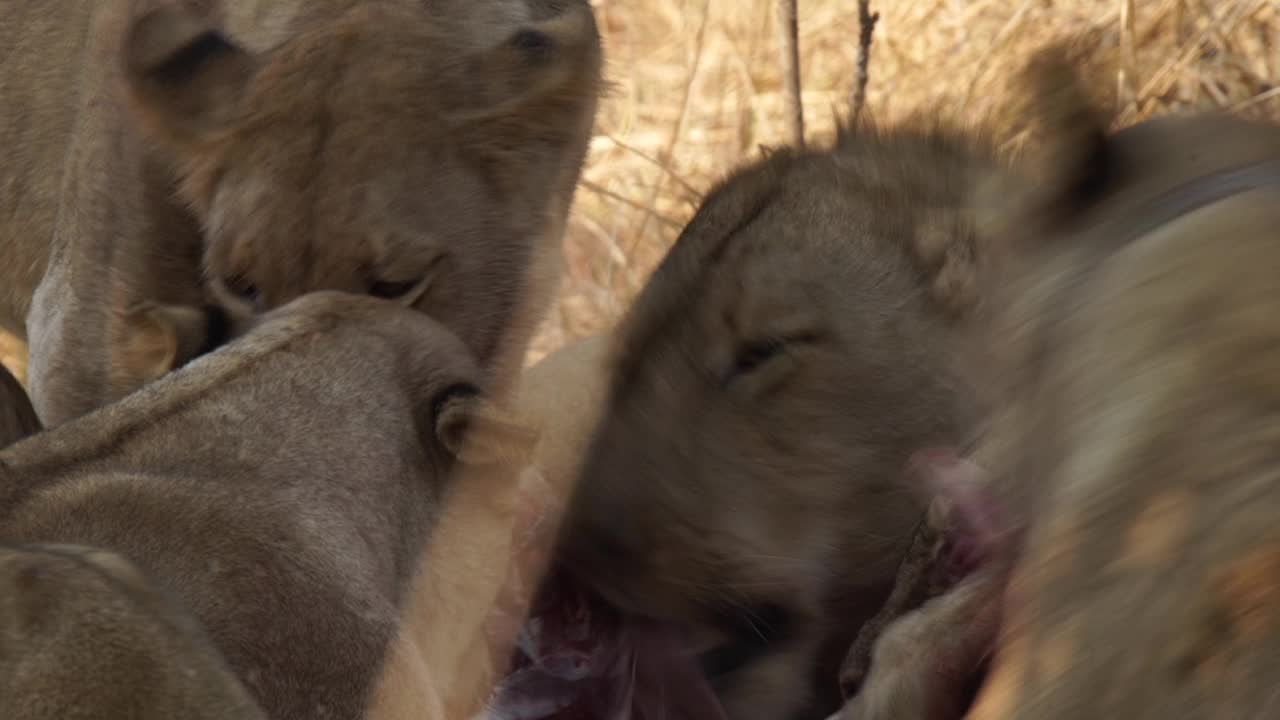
point(281, 488)
point(925, 654)
point(165, 155)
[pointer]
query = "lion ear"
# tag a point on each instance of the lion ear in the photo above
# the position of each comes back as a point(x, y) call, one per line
point(476, 432)
point(159, 338)
point(535, 81)
point(1077, 161)
point(183, 73)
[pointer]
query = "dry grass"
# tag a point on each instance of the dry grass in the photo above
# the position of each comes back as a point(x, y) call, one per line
point(13, 355)
point(698, 87)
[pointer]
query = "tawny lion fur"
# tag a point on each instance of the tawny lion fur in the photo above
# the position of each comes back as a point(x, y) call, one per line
point(1136, 431)
point(171, 153)
point(764, 394)
point(282, 489)
point(88, 636)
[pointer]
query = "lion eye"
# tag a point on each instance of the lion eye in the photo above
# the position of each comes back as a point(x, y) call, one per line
point(393, 290)
point(241, 287)
point(754, 354)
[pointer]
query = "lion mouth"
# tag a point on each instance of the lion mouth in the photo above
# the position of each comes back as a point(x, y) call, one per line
point(578, 658)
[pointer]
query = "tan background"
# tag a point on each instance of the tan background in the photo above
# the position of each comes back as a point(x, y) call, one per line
point(696, 89)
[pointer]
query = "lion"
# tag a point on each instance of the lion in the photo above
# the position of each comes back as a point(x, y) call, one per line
point(764, 393)
point(87, 634)
point(315, 455)
point(17, 417)
point(166, 155)
point(1139, 356)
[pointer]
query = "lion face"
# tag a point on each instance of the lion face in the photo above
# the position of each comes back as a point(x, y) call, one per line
point(767, 388)
point(377, 152)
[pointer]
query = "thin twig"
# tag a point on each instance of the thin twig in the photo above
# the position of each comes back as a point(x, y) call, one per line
point(789, 28)
point(664, 157)
point(1126, 77)
point(866, 29)
point(1164, 79)
point(1006, 32)
point(1257, 99)
point(913, 586)
point(665, 167)
point(647, 210)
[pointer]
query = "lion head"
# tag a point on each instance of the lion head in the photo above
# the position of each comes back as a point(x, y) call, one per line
point(766, 389)
point(390, 149)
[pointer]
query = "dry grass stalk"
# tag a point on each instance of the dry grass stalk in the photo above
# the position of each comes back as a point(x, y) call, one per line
point(866, 32)
point(1124, 76)
point(673, 137)
point(789, 31)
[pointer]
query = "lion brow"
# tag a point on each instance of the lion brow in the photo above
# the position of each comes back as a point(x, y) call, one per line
point(682, 275)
